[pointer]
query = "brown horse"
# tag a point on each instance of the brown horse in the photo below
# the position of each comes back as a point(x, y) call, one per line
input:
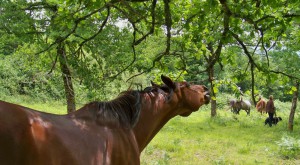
point(261, 106)
point(113, 132)
point(233, 106)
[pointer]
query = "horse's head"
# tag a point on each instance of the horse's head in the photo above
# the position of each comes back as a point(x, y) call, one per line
point(184, 97)
point(160, 103)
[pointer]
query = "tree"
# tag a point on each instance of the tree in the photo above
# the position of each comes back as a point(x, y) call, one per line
point(71, 26)
point(293, 107)
point(199, 30)
point(209, 27)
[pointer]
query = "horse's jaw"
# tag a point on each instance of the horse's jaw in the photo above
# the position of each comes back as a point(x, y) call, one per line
point(206, 101)
point(186, 114)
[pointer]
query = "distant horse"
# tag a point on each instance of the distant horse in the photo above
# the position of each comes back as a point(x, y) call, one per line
point(261, 106)
point(233, 106)
point(113, 132)
point(244, 105)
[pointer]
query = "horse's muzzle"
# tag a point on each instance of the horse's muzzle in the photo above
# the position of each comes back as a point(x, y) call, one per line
point(207, 97)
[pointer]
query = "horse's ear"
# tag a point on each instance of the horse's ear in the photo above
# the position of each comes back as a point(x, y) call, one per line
point(168, 82)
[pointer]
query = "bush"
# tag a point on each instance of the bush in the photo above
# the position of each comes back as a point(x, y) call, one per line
point(289, 147)
point(8, 77)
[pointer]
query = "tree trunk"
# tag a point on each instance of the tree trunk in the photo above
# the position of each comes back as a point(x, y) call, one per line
point(293, 108)
point(66, 75)
point(212, 93)
point(252, 84)
point(213, 107)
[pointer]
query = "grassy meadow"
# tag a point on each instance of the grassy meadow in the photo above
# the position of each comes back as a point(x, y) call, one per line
point(225, 139)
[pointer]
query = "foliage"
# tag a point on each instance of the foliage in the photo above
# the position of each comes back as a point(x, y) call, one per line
point(17, 78)
point(110, 42)
point(289, 147)
point(8, 77)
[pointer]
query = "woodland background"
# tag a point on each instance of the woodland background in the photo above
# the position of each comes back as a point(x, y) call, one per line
point(84, 50)
point(56, 55)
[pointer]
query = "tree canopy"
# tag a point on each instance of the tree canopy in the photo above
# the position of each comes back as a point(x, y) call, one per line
point(252, 46)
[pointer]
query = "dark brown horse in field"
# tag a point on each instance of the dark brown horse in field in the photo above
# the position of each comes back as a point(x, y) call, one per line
point(233, 106)
point(113, 132)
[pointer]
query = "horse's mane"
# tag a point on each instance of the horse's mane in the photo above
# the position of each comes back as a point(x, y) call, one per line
point(125, 109)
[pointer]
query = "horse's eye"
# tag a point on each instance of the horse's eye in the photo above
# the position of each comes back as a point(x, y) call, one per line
point(186, 84)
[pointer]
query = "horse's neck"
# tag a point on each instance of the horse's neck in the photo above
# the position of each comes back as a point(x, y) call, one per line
point(152, 118)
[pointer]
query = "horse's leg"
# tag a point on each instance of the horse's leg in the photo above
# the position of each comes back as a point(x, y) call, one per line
point(234, 110)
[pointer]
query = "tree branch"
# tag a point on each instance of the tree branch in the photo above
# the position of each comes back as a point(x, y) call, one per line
point(98, 32)
point(168, 22)
point(73, 30)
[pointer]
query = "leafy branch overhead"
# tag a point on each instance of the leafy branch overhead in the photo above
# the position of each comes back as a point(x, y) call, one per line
point(266, 22)
point(195, 33)
point(252, 44)
point(66, 21)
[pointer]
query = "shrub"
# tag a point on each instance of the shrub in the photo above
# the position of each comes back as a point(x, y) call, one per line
point(289, 147)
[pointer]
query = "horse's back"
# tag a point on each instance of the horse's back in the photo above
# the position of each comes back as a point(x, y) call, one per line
point(23, 137)
point(247, 102)
point(29, 137)
point(261, 106)
point(14, 132)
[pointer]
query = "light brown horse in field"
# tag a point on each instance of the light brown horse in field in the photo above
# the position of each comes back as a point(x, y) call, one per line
point(113, 132)
point(261, 106)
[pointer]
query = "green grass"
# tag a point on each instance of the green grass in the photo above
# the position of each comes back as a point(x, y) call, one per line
point(226, 139)
point(52, 106)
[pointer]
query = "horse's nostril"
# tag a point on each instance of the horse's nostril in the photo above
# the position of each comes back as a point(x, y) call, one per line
point(207, 93)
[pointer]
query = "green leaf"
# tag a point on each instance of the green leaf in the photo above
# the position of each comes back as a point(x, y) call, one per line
point(294, 89)
point(216, 90)
point(213, 98)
